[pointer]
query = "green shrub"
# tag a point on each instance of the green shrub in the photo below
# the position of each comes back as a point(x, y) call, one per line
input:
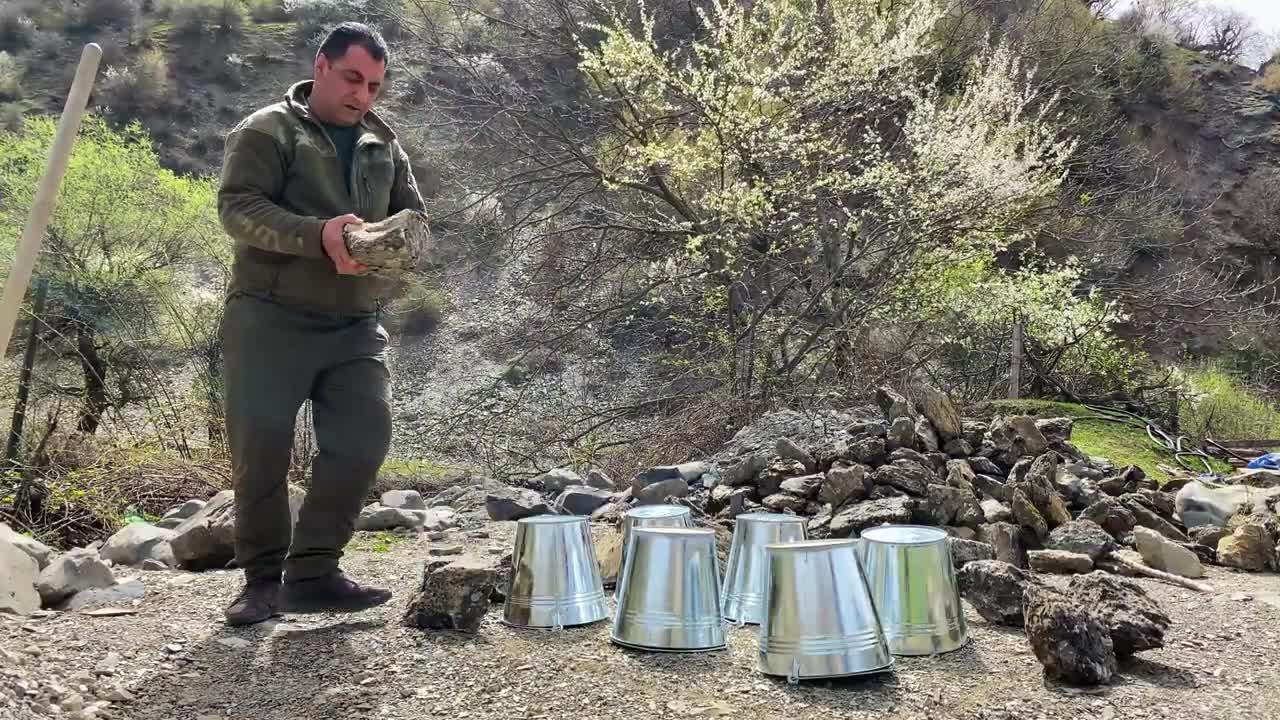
point(417, 310)
point(17, 31)
point(144, 86)
point(94, 14)
point(1218, 405)
point(192, 18)
point(10, 77)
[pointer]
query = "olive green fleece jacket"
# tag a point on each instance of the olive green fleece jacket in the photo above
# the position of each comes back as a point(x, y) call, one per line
point(282, 180)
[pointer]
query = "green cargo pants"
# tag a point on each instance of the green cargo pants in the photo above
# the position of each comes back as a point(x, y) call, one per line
point(274, 358)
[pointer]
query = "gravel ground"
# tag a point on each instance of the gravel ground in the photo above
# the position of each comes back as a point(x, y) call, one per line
point(175, 659)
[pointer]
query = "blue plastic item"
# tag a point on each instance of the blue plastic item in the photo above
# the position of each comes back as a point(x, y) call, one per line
point(1270, 461)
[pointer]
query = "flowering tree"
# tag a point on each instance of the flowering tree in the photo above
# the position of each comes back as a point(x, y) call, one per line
point(814, 173)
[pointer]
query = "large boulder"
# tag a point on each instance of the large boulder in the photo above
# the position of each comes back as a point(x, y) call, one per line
point(1081, 536)
point(1198, 504)
point(119, 595)
point(1027, 516)
point(453, 596)
point(404, 500)
point(994, 589)
point(902, 434)
point(867, 450)
point(744, 470)
point(938, 408)
point(1007, 541)
point(174, 517)
point(208, 538)
point(18, 575)
point(1162, 553)
point(557, 480)
point(1249, 547)
point(870, 513)
point(38, 551)
point(893, 405)
point(375, 518)
point(954, 506)
point(965, 551)
point(787, 449)
point(137, 542)
point(905, 475)
point(582, 499)
point(657, 493)
point(1111, 516)
point(805, 486)
point(511, 503)
point(1072, 643)
point(72, 572)
point(1016, 437)
point(1144, 516)
point(844, 483)
point(1135, 621)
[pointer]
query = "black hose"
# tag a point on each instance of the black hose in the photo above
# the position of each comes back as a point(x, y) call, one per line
point(1159, 438)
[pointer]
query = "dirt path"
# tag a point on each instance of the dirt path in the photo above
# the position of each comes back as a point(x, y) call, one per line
point(177, 661)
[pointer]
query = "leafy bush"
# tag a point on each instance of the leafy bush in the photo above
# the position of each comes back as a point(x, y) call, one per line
point(143, 87)
point(10, 77)
point(1270, 80)
point(94, 14)
point(417, 309)
point(192, 18)
point(17, 31)
point(47, 45)
point(1218, 405)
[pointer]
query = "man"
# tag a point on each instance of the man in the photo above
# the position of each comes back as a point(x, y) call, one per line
point(301, 321)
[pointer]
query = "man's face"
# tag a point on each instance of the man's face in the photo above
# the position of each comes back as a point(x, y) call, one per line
point(345, 88)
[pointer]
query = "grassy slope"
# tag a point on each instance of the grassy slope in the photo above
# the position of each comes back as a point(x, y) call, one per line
point(1121, 444)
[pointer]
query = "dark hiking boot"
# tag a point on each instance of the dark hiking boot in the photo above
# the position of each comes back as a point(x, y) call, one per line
point(255, 603)
point(334, 592)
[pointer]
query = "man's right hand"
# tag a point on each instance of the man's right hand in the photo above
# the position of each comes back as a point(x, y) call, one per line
point(335, 245)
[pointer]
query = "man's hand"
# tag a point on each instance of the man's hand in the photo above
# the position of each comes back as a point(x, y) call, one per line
point(335, 246)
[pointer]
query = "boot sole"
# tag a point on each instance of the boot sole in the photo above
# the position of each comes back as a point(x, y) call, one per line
point(306, 607)
point(242, 622)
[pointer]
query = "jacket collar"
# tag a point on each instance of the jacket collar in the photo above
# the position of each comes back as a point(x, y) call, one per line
point(297, 99)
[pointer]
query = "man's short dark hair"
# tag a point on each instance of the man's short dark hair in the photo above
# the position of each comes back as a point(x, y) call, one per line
point(341, 38)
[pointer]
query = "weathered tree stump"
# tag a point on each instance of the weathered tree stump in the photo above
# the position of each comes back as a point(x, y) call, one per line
point(399, 243)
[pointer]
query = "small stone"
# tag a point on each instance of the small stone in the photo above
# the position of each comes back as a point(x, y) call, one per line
point(1059, 562)
point(1007, 541)
point(994, 511)
point(118, 695)
point(1144, 516)
point(782, 502)
point(446, 550)
point(902, 433)
point(745, 470)
point(657, 493)
point(1027, 516)
point(1248, 548)
point(505, 504)
point(582, 499)
point(1111, 516)
point(867, 450)
point(107, 666)
point(375, 518)
point(556, 480)
point(73, 572)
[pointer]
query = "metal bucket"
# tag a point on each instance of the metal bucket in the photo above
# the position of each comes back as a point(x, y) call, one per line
point(652, 516)
point(555, 581)
point(819, 619)
point(744, 574)
point(669, 592)
point(913, 585)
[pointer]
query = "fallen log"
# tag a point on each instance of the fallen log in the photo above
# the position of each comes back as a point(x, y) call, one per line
point(1114, 563)
point(396, 244)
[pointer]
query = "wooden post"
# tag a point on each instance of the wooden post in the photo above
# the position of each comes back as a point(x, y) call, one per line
point(1015, 361)
point(47, 193)
point(24, 380)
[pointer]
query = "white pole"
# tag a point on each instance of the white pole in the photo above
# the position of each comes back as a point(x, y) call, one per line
point(46, 198)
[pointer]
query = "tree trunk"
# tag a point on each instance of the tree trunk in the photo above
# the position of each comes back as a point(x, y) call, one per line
point(24, 379)
point(95, 378)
